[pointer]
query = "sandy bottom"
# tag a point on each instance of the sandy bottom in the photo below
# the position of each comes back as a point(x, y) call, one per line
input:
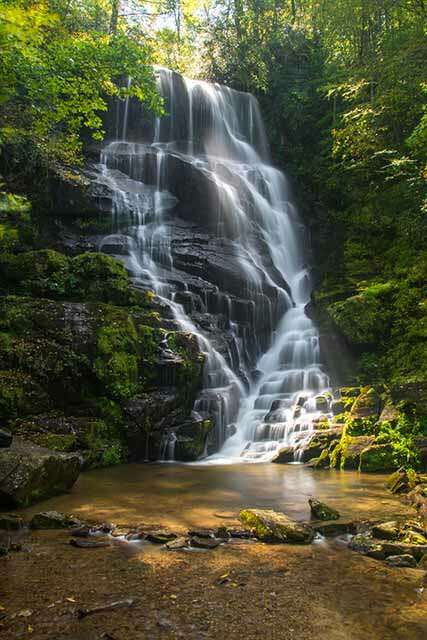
point(240, 590)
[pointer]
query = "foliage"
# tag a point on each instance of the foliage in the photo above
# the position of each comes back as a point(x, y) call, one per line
point(57, 74)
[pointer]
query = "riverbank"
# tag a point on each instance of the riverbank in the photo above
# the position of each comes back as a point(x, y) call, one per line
point(246, 590)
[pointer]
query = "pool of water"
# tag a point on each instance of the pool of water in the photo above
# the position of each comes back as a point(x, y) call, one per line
point(189, 495)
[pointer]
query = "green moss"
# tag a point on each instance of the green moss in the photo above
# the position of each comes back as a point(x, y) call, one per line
point(56, 441)
point(360, 318)
point(19, 395)
point(41, 273)
point(98, 277)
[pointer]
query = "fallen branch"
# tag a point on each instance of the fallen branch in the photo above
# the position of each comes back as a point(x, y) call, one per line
point(119, 604)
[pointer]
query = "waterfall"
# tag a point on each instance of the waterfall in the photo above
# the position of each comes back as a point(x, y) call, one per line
point(202, 217)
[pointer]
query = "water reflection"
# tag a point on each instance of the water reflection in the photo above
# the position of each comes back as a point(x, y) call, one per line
point(181, 496)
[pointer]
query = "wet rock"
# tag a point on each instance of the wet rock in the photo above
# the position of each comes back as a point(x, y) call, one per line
point(204, 543)
point(321, 511)
point(29, 473)
point(392, 548)
point(53, 520)
point(273, 526)
point(367, 405)
point(386, 530)
point(11, 522)
point(334, 528)
point(81, 532)
point(404, 561)
point(178, 543)
point(361, 543)
point(284, 455)
point(191, 440)
point(322, 403)
point(160, 536)
point(5, 438)
point(89, 544)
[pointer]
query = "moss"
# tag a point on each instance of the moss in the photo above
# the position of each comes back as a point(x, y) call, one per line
point(41, 273)
point(377, 458)
point(360, 318)
point(57, 442)
point(19, 395)
point(98, 277)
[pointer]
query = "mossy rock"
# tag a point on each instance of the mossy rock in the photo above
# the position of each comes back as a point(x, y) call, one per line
point(272, 526)
point(29, 473)
point(191, 439)
point(322, 511)
point(377, 458)
point(367, 405)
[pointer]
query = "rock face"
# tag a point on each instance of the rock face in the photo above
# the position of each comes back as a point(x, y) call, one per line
point(272, 526)
point(29, 473)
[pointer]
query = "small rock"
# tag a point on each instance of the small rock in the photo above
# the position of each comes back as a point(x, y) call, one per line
point(332, 529)
point(204, 543)
point(80, 532)
point(5, 438)
point(161, 536)
point(386, 530)
point(53, 520)
point(404, 560)
point(89, 544)
point(321, 511)
point(284, 455)
point(361, 543)
point(11, 522)
point(178, 543)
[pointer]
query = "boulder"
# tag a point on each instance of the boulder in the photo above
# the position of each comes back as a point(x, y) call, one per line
point(5, 438)
point(284, 455)
point(377, 458)
point(11, 522)
point(367, 405)
point(273, 526)
point(53, 520)
point(321, 511)
point(404, 561)
point(29, 473)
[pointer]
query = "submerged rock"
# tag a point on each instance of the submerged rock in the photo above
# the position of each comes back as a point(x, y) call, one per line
point(29, 473)
point(53, 520)
point(273, 526)
point(321, 511)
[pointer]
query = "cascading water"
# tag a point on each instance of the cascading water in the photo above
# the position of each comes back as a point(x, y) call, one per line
point(201, 175)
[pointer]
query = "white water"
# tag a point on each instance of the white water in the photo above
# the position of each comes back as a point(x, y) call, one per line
point(220, 133)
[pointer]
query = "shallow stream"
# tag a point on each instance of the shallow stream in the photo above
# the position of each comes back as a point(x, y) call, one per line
point(203, 495)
